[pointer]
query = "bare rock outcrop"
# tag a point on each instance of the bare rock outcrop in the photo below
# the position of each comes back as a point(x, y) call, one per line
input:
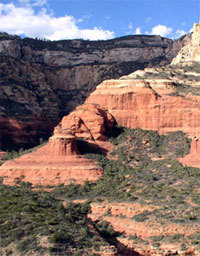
point(59, 161)
point(121, 218)
point(154, 99)
point(42, 81)
point(191, 51)
point(89, 121)
point(193, 159)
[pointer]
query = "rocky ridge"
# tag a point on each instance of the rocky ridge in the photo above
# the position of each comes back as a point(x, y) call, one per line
point(121, 217)
point(163, 99)
point(41, 81)
point(191, 51)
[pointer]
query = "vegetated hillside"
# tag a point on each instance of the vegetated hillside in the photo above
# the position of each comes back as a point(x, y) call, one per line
point(41, 81)
point(159, 197)
point(38, 223)
point(149, 197)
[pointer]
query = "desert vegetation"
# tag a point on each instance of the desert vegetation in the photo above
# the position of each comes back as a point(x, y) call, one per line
point(142, 168)
point(38, 223)
point(183, 77)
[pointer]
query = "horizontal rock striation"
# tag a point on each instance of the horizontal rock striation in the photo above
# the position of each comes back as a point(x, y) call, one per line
point(41, 81)
point(159, 99)
point(120, 216)
point(59, 161)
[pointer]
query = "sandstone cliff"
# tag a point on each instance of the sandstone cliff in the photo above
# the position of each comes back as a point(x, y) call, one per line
point(191, 51)
point(59, 161)
point(41, 81)
point(193, 159)
point(163, 99)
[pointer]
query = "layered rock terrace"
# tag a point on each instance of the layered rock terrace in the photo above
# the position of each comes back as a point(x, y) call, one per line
point(162, 99)
point(59, 161)
point(43, 81)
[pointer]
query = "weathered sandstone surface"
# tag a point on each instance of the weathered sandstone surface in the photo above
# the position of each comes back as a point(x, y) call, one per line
point(43, 81)
point(159, 99)
point(59, 161)
point(193, 159)
point(89, 122)
point(163, 99)
point(191, 51)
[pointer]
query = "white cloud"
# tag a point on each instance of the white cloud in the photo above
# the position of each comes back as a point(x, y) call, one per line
point(160, 30)
point(25, 20)
point(180, 32)
point(138, 31)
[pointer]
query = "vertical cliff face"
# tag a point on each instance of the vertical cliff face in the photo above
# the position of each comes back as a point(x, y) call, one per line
point(162, 99)
point(43, 81)
point(191, 51)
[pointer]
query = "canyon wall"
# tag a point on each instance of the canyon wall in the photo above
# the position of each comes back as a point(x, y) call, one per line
point(164, 99)
point(41, 81)
point(153, 99)
point(191, 51)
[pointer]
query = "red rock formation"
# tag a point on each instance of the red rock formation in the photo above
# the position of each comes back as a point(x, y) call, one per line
point(42, 81)
point(60, 161)
point(89, 121)
point(148, 105)
point(62, 144)
point(55, 163)
point(18, 132)
point(193, 159)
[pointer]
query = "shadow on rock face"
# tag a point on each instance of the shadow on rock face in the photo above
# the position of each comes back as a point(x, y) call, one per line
point(86, 147)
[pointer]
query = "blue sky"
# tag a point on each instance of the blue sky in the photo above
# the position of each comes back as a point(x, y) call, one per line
point(97, 19)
